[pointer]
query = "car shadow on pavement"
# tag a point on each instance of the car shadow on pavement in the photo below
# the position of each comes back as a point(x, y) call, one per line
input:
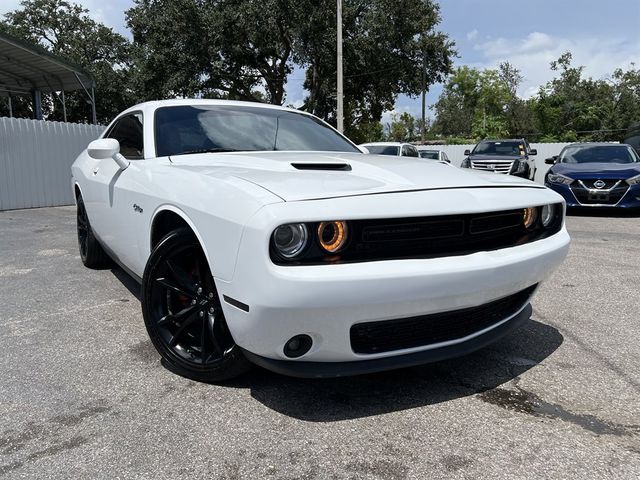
point(329, 400)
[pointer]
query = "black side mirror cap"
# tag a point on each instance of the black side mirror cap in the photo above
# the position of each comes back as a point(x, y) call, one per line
point(533, 152)
point(551, 160)
point(467, 152)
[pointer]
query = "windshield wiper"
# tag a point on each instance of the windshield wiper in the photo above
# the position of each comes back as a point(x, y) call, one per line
point(209, 150)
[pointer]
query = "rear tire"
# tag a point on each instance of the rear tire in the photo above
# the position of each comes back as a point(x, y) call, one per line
point(91, 252)
point(183, 314)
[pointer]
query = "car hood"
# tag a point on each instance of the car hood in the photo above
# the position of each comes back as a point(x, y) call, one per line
point(597, 170)
point(493, 157)
point(295, 176)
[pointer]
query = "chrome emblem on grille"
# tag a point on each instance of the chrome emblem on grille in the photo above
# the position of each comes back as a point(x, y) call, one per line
point(599, 184)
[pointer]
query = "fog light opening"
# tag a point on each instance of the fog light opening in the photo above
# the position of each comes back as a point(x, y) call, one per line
point(298, 346)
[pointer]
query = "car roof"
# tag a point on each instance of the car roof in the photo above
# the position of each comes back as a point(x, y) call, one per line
point(155, 104)
point(502, 140)
point(596, 144)
point(385, 144)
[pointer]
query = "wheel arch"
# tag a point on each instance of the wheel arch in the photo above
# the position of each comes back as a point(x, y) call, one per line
point(77, 192)
point(167, 218)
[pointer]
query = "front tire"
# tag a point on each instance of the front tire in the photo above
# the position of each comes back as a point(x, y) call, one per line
point(183, 314)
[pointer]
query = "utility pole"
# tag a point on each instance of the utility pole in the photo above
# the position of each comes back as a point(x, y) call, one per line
point(340, 113)
point(424, 95)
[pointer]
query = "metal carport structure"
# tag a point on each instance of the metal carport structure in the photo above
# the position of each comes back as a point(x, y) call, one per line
point(27, 69)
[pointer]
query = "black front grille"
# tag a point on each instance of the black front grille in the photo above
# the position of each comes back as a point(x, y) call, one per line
point(588, 196)
point(426, 237)
point(389, 335)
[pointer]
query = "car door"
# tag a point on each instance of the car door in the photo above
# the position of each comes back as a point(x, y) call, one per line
point(114, 189)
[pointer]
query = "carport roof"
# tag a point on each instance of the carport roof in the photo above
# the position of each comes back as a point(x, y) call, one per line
point(25, 67)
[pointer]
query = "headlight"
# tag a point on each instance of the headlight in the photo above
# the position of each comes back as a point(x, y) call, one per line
point(634, 180)
point(333, 235)
point(530, 215)
point(557, 178)
point(466, 163)
point(547, 215)
point(519, 166)
point(290, 240)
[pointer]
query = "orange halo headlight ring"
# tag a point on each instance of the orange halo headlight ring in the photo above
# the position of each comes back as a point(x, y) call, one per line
point(530, 216)
point(333, 235)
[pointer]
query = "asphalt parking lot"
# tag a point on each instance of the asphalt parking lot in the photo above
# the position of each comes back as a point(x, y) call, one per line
point(83, 394)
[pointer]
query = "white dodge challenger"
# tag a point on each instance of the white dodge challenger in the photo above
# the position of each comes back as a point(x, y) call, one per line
point(262, 235)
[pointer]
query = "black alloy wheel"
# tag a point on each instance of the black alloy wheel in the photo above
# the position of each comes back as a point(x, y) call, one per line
point(91, 252)
point(183, 314)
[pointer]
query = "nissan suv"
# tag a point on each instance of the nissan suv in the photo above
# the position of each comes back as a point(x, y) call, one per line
point(509, 156)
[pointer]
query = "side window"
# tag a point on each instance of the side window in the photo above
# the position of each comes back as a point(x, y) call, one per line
point(405, 151)
point(412, 151)
point(128, 131)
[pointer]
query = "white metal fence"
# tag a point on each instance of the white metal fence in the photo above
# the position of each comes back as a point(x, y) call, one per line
point(35, 161)
point(545, 150)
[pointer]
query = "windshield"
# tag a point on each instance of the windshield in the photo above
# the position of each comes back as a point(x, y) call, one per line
point(499, 148)
point(223, 128)
point(383, 149)
point(598, 154)
point(432, 154)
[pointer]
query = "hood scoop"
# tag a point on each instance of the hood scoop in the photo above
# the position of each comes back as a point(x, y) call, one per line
point(340, 167)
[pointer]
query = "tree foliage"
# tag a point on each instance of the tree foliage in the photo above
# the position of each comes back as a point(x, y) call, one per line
point(485, 103)
point(387, 44)
point(65, 29)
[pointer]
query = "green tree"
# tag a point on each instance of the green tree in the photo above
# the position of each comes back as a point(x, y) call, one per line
point(473, 102)
point(402, 128)
point(367, 132)
point(239, 49)
point(65, 29)
point(570, 102)
point(517, 112)
point(386, 45)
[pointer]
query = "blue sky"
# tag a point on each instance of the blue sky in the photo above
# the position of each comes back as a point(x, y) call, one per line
point(602, 35)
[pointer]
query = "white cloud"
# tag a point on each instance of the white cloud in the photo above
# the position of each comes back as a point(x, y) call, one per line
point(472, 35)
point(533, 54)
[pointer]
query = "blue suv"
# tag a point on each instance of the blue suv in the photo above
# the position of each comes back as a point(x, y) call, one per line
point(596, 175)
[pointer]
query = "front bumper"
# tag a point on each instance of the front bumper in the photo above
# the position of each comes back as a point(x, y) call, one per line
point(325, 301)
point(631, 199)
point(306, 369)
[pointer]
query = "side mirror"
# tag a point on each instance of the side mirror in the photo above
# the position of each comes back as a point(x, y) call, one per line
point(467, 152)
point(363, 149)
point(107, 148)
point(533, 152)
point(551, 160)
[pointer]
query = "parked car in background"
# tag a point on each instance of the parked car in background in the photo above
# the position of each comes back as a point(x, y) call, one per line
point(432, 154)
point(395, 149)
point(262, 235)
point(596, 175)
point(508, 156)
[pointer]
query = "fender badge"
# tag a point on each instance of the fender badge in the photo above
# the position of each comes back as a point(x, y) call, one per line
point(137, 208)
